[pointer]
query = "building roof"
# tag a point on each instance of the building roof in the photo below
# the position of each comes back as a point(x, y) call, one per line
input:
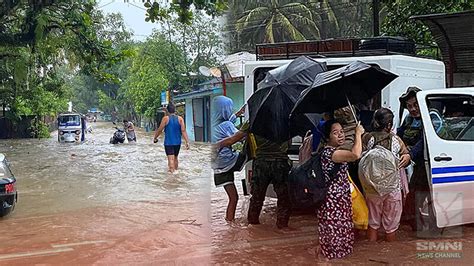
point(211, 81)
point(235, 63)
point(198, 93)
point(454, 34)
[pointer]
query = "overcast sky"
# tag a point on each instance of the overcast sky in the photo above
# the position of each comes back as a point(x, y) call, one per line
point(133, 13)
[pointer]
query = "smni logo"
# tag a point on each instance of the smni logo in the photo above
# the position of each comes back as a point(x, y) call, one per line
point(438, 246)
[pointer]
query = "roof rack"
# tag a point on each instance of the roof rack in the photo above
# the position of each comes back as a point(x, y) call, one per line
point(337, 48)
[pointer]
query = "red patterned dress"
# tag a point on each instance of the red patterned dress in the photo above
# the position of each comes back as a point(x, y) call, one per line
point(336, 237)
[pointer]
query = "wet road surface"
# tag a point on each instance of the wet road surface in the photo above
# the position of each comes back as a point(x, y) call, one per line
point(240, 243)
point(101, 203)
point(97, 203)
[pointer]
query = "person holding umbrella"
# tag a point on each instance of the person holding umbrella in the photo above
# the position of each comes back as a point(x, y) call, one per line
point(335, 225)
point(269, 115)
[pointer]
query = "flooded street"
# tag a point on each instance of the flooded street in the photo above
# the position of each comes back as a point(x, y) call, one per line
point(101, 203)
point(98, 203)
point(241, 243)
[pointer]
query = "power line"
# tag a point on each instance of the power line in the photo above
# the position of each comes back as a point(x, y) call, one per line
point(107, 4)
point(139, 7)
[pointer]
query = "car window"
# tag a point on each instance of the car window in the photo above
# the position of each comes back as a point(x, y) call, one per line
point(4, 170)
point(452, 117)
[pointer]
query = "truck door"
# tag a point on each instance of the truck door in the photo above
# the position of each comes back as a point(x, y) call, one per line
point(448, 122)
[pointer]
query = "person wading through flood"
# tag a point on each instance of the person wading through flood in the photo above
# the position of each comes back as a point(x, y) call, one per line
point(271, 165)
point(129, 130)
point(335, 225)
point(226, 161)
point(174, 128)
point(411, 132)
point(381, 181)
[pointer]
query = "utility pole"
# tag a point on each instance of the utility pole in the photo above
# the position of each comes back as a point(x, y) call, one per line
point(376, 11)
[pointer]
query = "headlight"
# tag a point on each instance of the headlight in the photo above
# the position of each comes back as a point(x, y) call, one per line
point(61, 132)
point(78, 132)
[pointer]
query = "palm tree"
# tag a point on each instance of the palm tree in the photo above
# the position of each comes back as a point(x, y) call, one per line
point(275, 21)
point(267, 21)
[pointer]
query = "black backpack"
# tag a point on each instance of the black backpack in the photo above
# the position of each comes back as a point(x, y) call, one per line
point(306, 184)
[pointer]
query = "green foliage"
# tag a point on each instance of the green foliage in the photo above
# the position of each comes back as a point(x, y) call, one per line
point(197, 44)
point(147, 79)
point(40, 41)
point(397, 21)
point(52, 52)
point(106, 103)
point(40, 130)
point(184, 9)
point(250, 22)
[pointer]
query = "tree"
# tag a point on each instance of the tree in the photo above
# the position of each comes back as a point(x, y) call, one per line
point(170, 56)
point(275, 21)
point(162, 11)
point(199, 40)
point(397, 21)
point(260, 21)
point(37, 39)
point(147, 79)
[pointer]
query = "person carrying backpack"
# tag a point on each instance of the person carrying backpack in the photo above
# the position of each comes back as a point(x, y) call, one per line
point(385, 153)
point(335, 225)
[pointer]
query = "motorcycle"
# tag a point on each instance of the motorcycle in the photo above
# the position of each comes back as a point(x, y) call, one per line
point(118, 137)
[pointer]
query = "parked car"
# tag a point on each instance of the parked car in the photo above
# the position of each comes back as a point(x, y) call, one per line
point(8, 192)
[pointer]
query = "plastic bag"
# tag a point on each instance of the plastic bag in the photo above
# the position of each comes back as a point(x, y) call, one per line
point(360, 212)
point(244, 209)
point(306, 148)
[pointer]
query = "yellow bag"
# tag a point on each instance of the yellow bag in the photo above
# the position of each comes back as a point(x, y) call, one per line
point(250, 146)
point(360, 212)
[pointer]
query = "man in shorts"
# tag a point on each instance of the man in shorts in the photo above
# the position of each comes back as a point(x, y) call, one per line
point(174, 128)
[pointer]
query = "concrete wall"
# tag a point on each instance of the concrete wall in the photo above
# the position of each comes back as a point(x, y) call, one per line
point(235, 91)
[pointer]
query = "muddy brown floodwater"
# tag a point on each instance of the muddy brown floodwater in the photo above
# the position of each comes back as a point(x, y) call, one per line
point(103, 204)
point(240, 243)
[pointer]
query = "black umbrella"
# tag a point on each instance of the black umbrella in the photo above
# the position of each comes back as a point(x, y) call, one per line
point(300, 71)
point(270, 106)
point(331, 90)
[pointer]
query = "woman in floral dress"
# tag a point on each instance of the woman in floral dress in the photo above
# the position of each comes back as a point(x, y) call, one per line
point(336, 236)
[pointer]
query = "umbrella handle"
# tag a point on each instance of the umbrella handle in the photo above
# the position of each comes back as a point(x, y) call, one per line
point(352, 110)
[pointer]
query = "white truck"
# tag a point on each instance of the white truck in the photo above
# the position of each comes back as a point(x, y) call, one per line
point(449, 177)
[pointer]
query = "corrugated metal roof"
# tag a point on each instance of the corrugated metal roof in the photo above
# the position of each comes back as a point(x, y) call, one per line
point(454, 34)
point(198, 93)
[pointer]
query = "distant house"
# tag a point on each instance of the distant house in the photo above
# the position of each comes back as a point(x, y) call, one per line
point(198, 106)
point(198, 102)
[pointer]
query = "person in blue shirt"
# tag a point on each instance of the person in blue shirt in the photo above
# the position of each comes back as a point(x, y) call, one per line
point(174, 128)
point(226, 161)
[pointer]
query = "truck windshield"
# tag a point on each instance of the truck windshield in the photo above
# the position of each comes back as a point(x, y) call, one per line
point(69, 120)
